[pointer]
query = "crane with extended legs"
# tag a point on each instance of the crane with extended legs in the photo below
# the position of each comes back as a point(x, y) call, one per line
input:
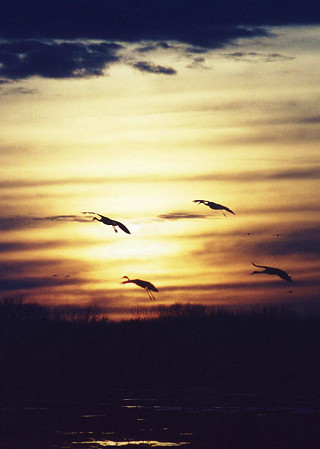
point(143, 284)
point(214, 206)
point(273, 272)
point(110, 222)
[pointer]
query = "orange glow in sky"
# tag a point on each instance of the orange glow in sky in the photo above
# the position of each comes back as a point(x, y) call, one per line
point(242, 131)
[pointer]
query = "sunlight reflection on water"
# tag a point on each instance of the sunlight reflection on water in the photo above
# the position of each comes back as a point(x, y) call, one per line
point(142, 443)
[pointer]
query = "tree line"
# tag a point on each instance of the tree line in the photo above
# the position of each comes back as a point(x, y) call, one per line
point(78, 352)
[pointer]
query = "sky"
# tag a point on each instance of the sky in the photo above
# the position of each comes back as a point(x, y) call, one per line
point(133, 109)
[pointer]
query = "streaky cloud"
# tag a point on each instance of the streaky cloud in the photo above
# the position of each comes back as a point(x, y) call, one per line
point(62, 218)
point(31, 283)
point(14, 246)
point(257, 56)
point(13, 222)
point(312, 120)
point(296, 173)
point(145, 66)
point(22, 266)
point(302, 242)
point(221, 286)
point(310, 172)
point(174, 216)
point(18, 91)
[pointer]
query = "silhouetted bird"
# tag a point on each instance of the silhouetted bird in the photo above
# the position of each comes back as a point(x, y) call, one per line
point(273, 271)
point(110, 222)
point(144, 284)
point(214, 206)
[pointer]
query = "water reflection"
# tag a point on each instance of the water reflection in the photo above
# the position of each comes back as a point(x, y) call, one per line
point(142, 443)
point(175, 420)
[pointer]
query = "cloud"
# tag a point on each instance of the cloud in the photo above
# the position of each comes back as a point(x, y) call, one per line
point(295, 173)
point(302, 242)
point(26, 58)
point(18, 91)
point(186, 49)
point(62, 218)
point(205, 23)
point(30, 283)
point(15, 222)
point(13, 246)
point(298, 173)
point(181, 216)
point(255, 56)
point(21, 267)
point(145, 66)
point(198, 62)
point(146, 47)
point(51, 38)
point(312, 120)
point(55, 39)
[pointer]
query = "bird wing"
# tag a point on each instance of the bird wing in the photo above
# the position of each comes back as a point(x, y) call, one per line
point(284, 275)
point(227, 209)
point(122, 226)
point(199, 201)
point(95, 213)
point(151, 286)
point(216, 206)
point(145, 284)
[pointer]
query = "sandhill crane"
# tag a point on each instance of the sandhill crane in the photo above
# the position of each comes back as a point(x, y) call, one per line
point(214, 206)
point(109, 221)
point(143, 284)
point(273, 271)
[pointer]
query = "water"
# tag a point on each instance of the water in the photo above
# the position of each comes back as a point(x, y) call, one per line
point(188, 419)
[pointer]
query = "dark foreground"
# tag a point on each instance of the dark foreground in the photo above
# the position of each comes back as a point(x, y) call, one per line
point(71, 379)
point(190, 419)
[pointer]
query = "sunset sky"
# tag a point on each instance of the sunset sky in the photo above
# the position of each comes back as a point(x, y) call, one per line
point(133, 109)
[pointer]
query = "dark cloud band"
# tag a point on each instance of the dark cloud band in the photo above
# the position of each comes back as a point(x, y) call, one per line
point(24, 58)
point(34, 26)
point(199, 22)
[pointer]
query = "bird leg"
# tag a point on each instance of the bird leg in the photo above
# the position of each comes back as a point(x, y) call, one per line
point(150, 294)
point(114, 228)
